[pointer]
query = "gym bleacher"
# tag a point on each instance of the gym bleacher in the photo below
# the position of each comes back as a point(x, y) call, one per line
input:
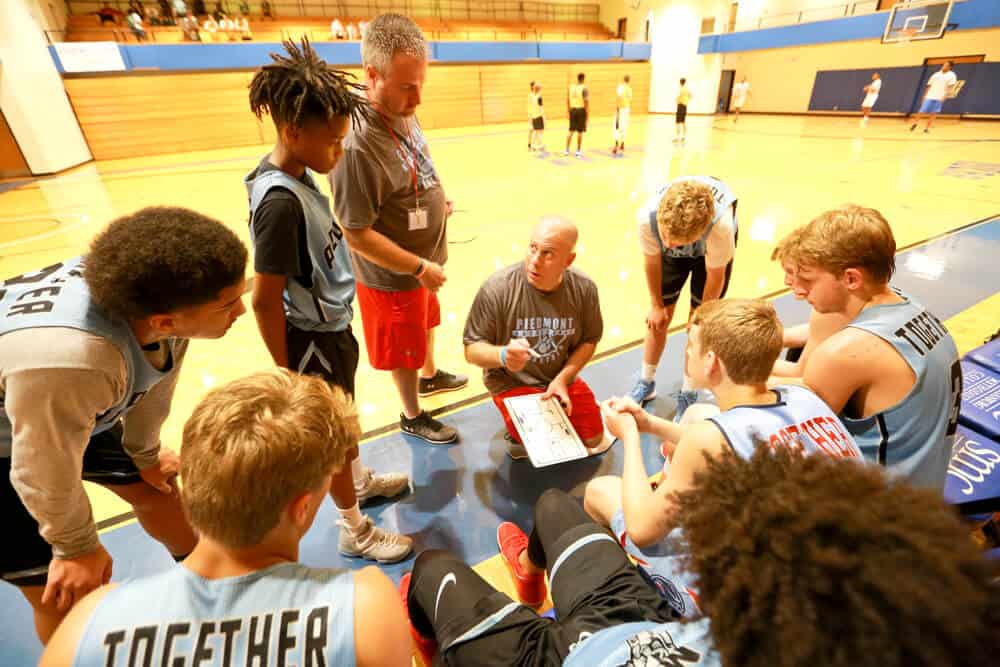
point(579, 25)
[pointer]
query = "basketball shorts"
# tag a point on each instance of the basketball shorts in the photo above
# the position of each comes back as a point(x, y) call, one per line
point(396, 325)
point(661, 563)
point(682, 112)
point(577, 120)
point(538, 123)
point(331, 355)
point(25, 559)
point(621, 124)
point(931, 106)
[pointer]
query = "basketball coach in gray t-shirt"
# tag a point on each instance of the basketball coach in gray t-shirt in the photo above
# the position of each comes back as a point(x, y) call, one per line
point(534, 325)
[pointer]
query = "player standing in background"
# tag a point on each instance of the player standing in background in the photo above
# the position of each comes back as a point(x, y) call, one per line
point(623, 110)
point(578, 104)
point(871, 94)
point(740, 93)
point(939, 86)
point(536, 114)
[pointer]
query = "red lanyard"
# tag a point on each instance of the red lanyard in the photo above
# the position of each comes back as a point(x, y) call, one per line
point(411, 164)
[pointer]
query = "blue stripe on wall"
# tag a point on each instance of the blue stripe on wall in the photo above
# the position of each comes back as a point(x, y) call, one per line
point(576, 51)
point(969, 15)
point(485, 51)
point(250, 55)
point(636, 50)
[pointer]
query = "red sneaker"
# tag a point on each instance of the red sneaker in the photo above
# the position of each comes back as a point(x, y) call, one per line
point(426, 646)
point(530, 587)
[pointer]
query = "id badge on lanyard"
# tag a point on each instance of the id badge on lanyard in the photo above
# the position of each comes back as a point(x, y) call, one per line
point(416, 216)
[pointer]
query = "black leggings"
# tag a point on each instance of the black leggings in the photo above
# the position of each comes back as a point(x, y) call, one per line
point(594, 587)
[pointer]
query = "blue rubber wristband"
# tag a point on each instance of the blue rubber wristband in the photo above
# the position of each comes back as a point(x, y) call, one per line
point(503, 356)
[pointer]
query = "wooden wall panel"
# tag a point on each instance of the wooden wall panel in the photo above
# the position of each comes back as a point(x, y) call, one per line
point(147, 114)
point(451, 97)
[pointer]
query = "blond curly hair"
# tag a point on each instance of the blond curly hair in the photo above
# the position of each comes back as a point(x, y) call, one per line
point(685, 211)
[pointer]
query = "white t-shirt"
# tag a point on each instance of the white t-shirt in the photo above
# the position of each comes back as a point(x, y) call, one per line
point(740, 91)
point(939, 84)
point(874, 87)
point(720, 246)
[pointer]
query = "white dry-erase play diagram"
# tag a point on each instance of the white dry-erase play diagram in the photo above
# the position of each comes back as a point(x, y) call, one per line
point(545, 430)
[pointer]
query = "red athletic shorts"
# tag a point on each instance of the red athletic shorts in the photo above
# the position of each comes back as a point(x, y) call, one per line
point(585, 415)
point(396, 325)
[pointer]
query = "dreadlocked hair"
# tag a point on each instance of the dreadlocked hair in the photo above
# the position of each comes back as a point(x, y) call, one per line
point(302, 85)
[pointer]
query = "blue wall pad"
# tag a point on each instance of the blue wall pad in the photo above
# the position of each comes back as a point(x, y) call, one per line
point(483, 52)
point(987, 355)
point(903, 88)
point(974, 471)
point(636, 50)
point(980, 400)
point(969, 15)
point(251, 55)
point(574, 51)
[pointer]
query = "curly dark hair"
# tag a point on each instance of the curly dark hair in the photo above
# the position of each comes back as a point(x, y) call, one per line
point(302, 85)
point(161, 259)
point(820, 562)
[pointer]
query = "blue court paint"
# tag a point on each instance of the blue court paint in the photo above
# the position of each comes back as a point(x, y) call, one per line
point(463, 492)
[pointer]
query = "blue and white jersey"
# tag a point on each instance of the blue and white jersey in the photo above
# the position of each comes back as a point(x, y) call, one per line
point(57, 296)
point(677, 644)
point(326, 305)
point(725, 199)
point(913, 438)
point(287, 614)
point(798, 420)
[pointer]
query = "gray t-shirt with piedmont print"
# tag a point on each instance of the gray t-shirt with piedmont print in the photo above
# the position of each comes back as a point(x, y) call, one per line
point(373, 187)
point(554, 323)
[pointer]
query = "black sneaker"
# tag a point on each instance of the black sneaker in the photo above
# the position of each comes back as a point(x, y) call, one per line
point(427, 428)
point(441, 382)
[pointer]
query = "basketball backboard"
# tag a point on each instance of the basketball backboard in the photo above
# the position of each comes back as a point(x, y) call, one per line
point(918, 19)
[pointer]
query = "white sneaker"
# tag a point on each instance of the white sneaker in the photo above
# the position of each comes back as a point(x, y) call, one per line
point(565, 153)
point(373, 543)
point(579, 153)
point(388, 485)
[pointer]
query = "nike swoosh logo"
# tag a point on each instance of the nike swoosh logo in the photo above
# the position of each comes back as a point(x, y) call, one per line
point(448, 579)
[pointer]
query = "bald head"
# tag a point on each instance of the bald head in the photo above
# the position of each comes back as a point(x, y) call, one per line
point(550, 252)
point(558, 230)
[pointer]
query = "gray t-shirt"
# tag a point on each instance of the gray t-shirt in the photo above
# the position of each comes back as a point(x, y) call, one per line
point(373, 187)
point(554, 323)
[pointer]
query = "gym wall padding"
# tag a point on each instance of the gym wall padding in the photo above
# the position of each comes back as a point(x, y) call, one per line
point(969, 15)
point(250, 55)
point(903, 87)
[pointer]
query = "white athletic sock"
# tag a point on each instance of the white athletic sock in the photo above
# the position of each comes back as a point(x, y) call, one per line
point(358, 473)
point(352, 517)
point(648, 371)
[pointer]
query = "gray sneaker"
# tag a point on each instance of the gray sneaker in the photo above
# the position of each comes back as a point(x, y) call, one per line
point(373, 543)
point(427, 428)
point(441, 382)
point(387, 485)
point(515, 450)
